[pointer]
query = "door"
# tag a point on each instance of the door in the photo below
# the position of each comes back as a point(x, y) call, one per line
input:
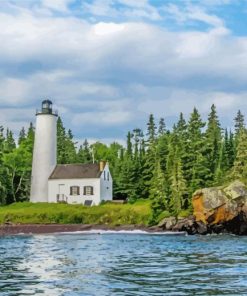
point(61, 193)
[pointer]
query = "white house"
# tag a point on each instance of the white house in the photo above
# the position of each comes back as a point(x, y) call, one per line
point(87, 184)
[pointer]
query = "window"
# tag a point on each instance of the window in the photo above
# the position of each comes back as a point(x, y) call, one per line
point(88, 190)
point(74, 190)
point(108, 176)
point(104, 175)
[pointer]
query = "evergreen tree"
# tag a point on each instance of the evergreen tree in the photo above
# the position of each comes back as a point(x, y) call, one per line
point(22, 135)
point(195, 169)
point(84, 155)
point(163, 150)
point(71, 156)
point(137, 135)
point(239, 123)
point(162, 127)
point(61, 142)
point(158, 191)
point(213, 143)
point(231, 152)
point(180, 138)
point(9, 143)
point(129, 145)
point(151, 130)
point(29, 141)
point(150, 157)
point(240, 163)
point(178, 186)
point(66, 150)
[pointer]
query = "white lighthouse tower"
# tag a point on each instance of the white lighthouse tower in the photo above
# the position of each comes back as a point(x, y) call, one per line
point(45, 151)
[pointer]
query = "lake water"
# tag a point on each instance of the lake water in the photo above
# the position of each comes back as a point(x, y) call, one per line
point(123, 264)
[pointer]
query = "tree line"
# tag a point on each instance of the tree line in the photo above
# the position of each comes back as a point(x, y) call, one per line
point(165, 165)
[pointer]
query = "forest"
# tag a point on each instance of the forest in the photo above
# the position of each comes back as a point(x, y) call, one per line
point(160, 164)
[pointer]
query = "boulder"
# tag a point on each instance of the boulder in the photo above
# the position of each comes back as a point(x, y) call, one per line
point(220, 208)
point(167, 223)
point(186, 224)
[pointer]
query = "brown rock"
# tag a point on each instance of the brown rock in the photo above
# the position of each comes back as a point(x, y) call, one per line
point(217, 205)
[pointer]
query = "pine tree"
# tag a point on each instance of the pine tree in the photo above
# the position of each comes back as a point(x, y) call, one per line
point(231, 151)
point(137, 136)
point(240, 163)
point(71, 156)
point(66, 150)
point(151, 130)
point(162, 127)
point(213, 143)
point(178, 187)
point(22, 135)
point(195, 169)
point(163, 150)
point(9, 143)
point(129, 145)
point(180, 138)
point(150, 157)
point(84, 155)
point(158, 191)
point(61, 140)
point(239, 123)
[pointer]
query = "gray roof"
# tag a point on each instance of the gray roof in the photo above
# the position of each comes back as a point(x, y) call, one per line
point(76, 171)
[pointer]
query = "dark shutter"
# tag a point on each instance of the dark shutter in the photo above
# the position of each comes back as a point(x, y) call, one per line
point(71, 190)
point(84, 190)
point(91, 190)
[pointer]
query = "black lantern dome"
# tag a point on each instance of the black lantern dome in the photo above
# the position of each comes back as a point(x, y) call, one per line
point(46, 108)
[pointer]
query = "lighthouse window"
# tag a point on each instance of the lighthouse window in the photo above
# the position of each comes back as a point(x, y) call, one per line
point(88, 190)
point(74, 190)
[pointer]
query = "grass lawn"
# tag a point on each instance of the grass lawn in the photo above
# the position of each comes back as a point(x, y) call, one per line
point(138, 213)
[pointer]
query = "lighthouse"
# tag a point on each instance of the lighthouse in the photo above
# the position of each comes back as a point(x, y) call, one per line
point(45, 151)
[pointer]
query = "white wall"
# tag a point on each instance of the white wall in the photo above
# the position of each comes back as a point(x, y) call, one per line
point(53, 190)
point(106, 185)
point(44, 156)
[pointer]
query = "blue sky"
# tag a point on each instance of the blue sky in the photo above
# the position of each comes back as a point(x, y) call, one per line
point(106, 64)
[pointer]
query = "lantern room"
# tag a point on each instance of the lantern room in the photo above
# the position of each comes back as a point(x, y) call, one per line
point(47, 107)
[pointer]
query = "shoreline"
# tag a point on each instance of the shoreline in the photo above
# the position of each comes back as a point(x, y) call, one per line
point(15, 229)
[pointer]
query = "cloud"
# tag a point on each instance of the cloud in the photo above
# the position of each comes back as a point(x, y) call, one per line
point(105, 77)
point(57, 5)
point(126, 9)
point(192, 13)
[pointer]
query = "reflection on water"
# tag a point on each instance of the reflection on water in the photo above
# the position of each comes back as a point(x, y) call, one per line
point(123, 264)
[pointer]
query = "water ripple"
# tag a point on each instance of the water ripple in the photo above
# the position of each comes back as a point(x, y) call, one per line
point(123, 264)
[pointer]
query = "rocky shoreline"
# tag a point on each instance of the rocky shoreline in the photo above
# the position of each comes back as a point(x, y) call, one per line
point(237, 226)
point(215, 210)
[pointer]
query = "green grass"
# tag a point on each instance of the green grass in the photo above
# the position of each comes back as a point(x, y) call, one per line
point(138, 213)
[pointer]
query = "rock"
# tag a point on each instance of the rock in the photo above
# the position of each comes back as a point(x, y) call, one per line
point(205, 201)
point(167, 223)
point(218, 209)
point(201, 227)
point(236, 190)
point(186, 224)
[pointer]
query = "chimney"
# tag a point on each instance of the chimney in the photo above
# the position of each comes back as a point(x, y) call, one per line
point(102, 165)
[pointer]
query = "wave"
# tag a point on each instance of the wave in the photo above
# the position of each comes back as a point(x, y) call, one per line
point(136, 231)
